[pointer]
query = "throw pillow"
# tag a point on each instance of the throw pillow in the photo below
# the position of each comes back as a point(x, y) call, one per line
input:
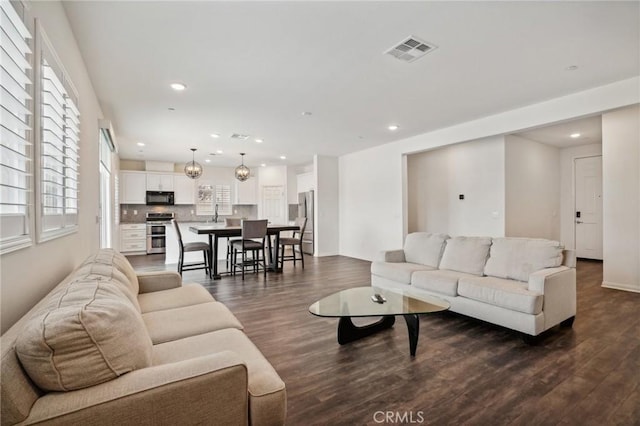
point(517, 258)
point(466, 254)
point(88, 333)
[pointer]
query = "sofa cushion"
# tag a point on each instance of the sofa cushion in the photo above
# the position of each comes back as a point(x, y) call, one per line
point(517, 258)
point(424, 248)
point(186, 295)
point(507, 294)
point(86, 333)
point(466, 254)
point(267, 394)
point(400, 272)
point(440, 281)
point(118, 261)
point(173, 324)
point(110, 275)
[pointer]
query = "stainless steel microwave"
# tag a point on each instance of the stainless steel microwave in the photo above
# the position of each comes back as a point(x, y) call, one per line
point(160, 198)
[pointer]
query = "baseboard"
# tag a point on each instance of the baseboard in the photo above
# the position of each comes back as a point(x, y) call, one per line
point(618, 286)
point(326, 253)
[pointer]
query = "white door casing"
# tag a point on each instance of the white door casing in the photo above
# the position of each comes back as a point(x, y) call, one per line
point(588, 207)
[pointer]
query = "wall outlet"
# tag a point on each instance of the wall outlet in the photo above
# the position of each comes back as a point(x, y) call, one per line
point(135, 212)
point(124, 212)
point(192, 212)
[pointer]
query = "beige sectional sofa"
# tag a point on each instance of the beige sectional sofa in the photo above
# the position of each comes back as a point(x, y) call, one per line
point(525, 284)
point(109, 346)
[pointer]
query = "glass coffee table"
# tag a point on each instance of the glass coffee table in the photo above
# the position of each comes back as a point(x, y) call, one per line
point(357, 302)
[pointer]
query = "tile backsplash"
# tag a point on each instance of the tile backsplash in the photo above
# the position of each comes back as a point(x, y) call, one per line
point(183, 213)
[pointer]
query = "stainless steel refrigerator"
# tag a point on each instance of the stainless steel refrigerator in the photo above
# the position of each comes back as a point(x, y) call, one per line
point(305, 209)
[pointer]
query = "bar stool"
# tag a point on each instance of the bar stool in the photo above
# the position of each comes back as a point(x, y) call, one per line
point(252, 230)
point(231, 221)
point(294, 241)
point(194, 246)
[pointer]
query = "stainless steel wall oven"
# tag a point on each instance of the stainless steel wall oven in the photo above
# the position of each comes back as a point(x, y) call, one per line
point(156, 231)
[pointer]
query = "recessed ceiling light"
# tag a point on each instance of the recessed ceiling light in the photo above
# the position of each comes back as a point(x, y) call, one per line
point(215, 135)
point(219, 151)
point(179, 87)
point(307, 113)
point(259, 140)
point(575, 135)
point(571, 68)
point(140, 144)
point(263, 165)
point(207, 160)
point(393, 127)
point(282, 157)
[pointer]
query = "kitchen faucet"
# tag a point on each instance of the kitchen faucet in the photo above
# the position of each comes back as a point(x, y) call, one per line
point(215, 215)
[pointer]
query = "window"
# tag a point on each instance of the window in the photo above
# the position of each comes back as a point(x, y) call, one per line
point(223, 199)
point(59, 139)
point(15, 131)
point(105, 189)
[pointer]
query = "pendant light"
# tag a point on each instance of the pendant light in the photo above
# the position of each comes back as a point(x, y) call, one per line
point(242, 172)
point(193, 169)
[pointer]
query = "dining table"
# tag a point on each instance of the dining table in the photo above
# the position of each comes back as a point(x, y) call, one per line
point(215, 231)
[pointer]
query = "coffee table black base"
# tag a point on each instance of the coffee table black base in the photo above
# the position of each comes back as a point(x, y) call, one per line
point(348, 331)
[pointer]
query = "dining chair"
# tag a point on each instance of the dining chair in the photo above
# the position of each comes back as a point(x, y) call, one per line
point(254, 233)
point(193, 246)
point(231, 221)
point(295, 241)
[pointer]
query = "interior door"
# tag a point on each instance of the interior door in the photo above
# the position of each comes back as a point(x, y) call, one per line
point(273, 204)
point(588, 207)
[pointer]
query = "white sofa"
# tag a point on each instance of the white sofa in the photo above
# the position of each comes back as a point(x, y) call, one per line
point(524, 284)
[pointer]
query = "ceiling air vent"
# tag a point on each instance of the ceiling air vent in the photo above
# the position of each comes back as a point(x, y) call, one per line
point(240, 137)
point(410, 49)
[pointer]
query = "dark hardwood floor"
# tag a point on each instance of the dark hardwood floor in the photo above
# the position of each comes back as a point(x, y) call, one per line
point(465, 371)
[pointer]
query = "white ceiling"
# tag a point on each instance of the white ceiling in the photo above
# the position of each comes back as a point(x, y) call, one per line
point(559, 135)
point(254, 67)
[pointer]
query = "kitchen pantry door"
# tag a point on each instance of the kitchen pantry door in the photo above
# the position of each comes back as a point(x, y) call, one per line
point(588, 207)
point(274, 205)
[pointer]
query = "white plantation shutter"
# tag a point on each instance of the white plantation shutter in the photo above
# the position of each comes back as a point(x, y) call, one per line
point(58, 148)
point(15, 130)
point(223, 199)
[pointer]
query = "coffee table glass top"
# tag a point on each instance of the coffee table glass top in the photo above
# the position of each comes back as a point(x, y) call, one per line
point(356, 302)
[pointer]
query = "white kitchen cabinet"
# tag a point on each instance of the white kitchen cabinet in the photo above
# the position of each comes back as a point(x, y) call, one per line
point(184, 189)
point(305, 182)
point(159, 182)
point(246, 192)
point(133, 238)
point(133, 187)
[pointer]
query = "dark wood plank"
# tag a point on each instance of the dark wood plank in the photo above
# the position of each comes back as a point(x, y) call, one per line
point(465, 371)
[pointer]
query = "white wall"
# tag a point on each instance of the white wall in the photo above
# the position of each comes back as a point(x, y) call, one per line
point(621, 198)
point(532, 189)
point(437, 178)
point(326, 210)
point(567, 195)
point(28, 274)
point(371, 215)
point(292, 187)
point(428, 191)
point(371, 181)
